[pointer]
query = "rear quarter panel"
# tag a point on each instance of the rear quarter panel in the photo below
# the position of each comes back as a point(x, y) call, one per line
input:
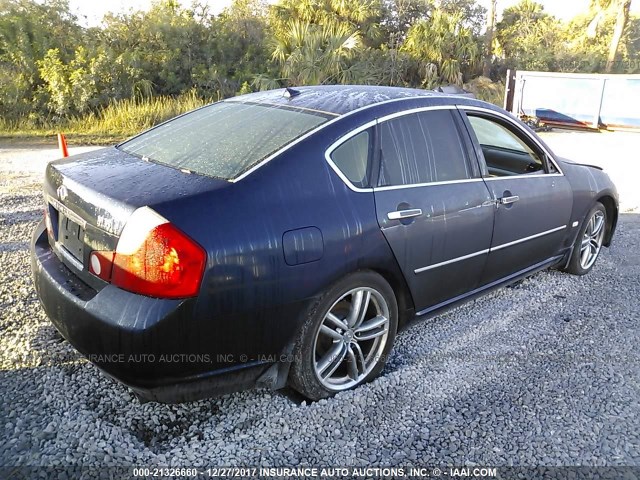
point(251, 299)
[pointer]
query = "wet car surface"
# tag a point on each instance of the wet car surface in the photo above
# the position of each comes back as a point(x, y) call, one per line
point(284, 237)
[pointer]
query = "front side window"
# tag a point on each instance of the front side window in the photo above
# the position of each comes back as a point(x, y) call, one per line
point(505, 153)
point(224, 139)
point(352, 158)
point(420, 148)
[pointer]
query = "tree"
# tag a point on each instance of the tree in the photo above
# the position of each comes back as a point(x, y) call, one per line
point(444, 47)
point(528, 37)
point(28, 30)
point(241, 36)
point(472, 15)
point(399, 15)
point(56, 77)
point(622, 18)
point(591, 38)
point(167, 42)
point(362, 16)
point(598, 12)
point(488, 42)
point(316, 41)
point(52, 68)
point(311, 54)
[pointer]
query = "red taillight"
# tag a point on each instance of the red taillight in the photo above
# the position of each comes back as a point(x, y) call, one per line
point(153, 258)
point(167, 264)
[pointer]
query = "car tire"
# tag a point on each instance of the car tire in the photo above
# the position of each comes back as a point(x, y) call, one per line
point(341, 346)
point(589, 241)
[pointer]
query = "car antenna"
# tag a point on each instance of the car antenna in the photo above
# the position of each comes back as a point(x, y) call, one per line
point(290, 92)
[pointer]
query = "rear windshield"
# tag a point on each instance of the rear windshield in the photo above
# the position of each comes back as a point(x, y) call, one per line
point(224, 139)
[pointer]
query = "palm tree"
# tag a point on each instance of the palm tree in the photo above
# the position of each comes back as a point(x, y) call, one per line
point(311, 54)
point(528, 37)
point(315, 41)
point(443, 46)
point(361, 15)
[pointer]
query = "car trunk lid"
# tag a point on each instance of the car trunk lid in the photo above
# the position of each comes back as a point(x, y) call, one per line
point(90, 197)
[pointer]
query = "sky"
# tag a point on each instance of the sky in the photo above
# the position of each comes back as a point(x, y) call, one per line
point(90, 12)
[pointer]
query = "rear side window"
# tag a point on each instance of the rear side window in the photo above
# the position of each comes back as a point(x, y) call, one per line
point(224, 139)
point(423, 147)
point(352, 158)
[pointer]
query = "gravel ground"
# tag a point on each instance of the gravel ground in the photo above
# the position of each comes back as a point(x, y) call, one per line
point(543, 373)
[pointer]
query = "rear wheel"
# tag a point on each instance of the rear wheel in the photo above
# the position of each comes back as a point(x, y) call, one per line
point(346, 338)
point(589, 242)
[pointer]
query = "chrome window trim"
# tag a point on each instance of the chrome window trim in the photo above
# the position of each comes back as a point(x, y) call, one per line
point(431, 184)
point(391, 116)
point(316, 130)
point(492, 249)
point(338, 143)
point(378, 121)
point(513, 122)
point(522, 177)
point(403, 113)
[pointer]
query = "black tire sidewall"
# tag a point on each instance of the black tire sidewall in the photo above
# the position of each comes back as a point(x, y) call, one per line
point(302, 376)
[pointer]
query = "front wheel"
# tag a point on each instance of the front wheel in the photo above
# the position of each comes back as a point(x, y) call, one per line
point(346, 338)
point(589, 242)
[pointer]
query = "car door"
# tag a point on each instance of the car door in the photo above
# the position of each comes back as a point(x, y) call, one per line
point(533, 198)
point(432, 205)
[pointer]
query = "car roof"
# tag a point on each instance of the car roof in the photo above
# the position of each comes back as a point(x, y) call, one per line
point(335, 99)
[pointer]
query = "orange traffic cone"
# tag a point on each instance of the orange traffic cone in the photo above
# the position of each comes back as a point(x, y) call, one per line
point(62, 145)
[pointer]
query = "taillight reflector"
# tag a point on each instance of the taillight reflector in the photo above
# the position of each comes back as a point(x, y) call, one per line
point(101, 264)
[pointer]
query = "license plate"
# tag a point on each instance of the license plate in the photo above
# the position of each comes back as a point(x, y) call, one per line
point(71, 237)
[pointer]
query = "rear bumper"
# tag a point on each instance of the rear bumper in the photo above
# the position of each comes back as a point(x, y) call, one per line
point(154, 346)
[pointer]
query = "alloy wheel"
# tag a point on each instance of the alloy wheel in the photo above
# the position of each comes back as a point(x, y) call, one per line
point(592, 240)
point(351, 339)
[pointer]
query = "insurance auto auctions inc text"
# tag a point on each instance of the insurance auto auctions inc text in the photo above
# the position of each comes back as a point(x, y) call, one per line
point(377, 472)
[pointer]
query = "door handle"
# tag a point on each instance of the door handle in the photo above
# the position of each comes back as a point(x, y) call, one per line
point(404, 214)
point(508, 200)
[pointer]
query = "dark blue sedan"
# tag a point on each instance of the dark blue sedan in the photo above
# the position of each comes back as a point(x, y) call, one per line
point(283, 237)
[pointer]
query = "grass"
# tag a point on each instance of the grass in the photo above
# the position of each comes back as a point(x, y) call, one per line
point(485, 89)
point(112, 124)
point(125, 118)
